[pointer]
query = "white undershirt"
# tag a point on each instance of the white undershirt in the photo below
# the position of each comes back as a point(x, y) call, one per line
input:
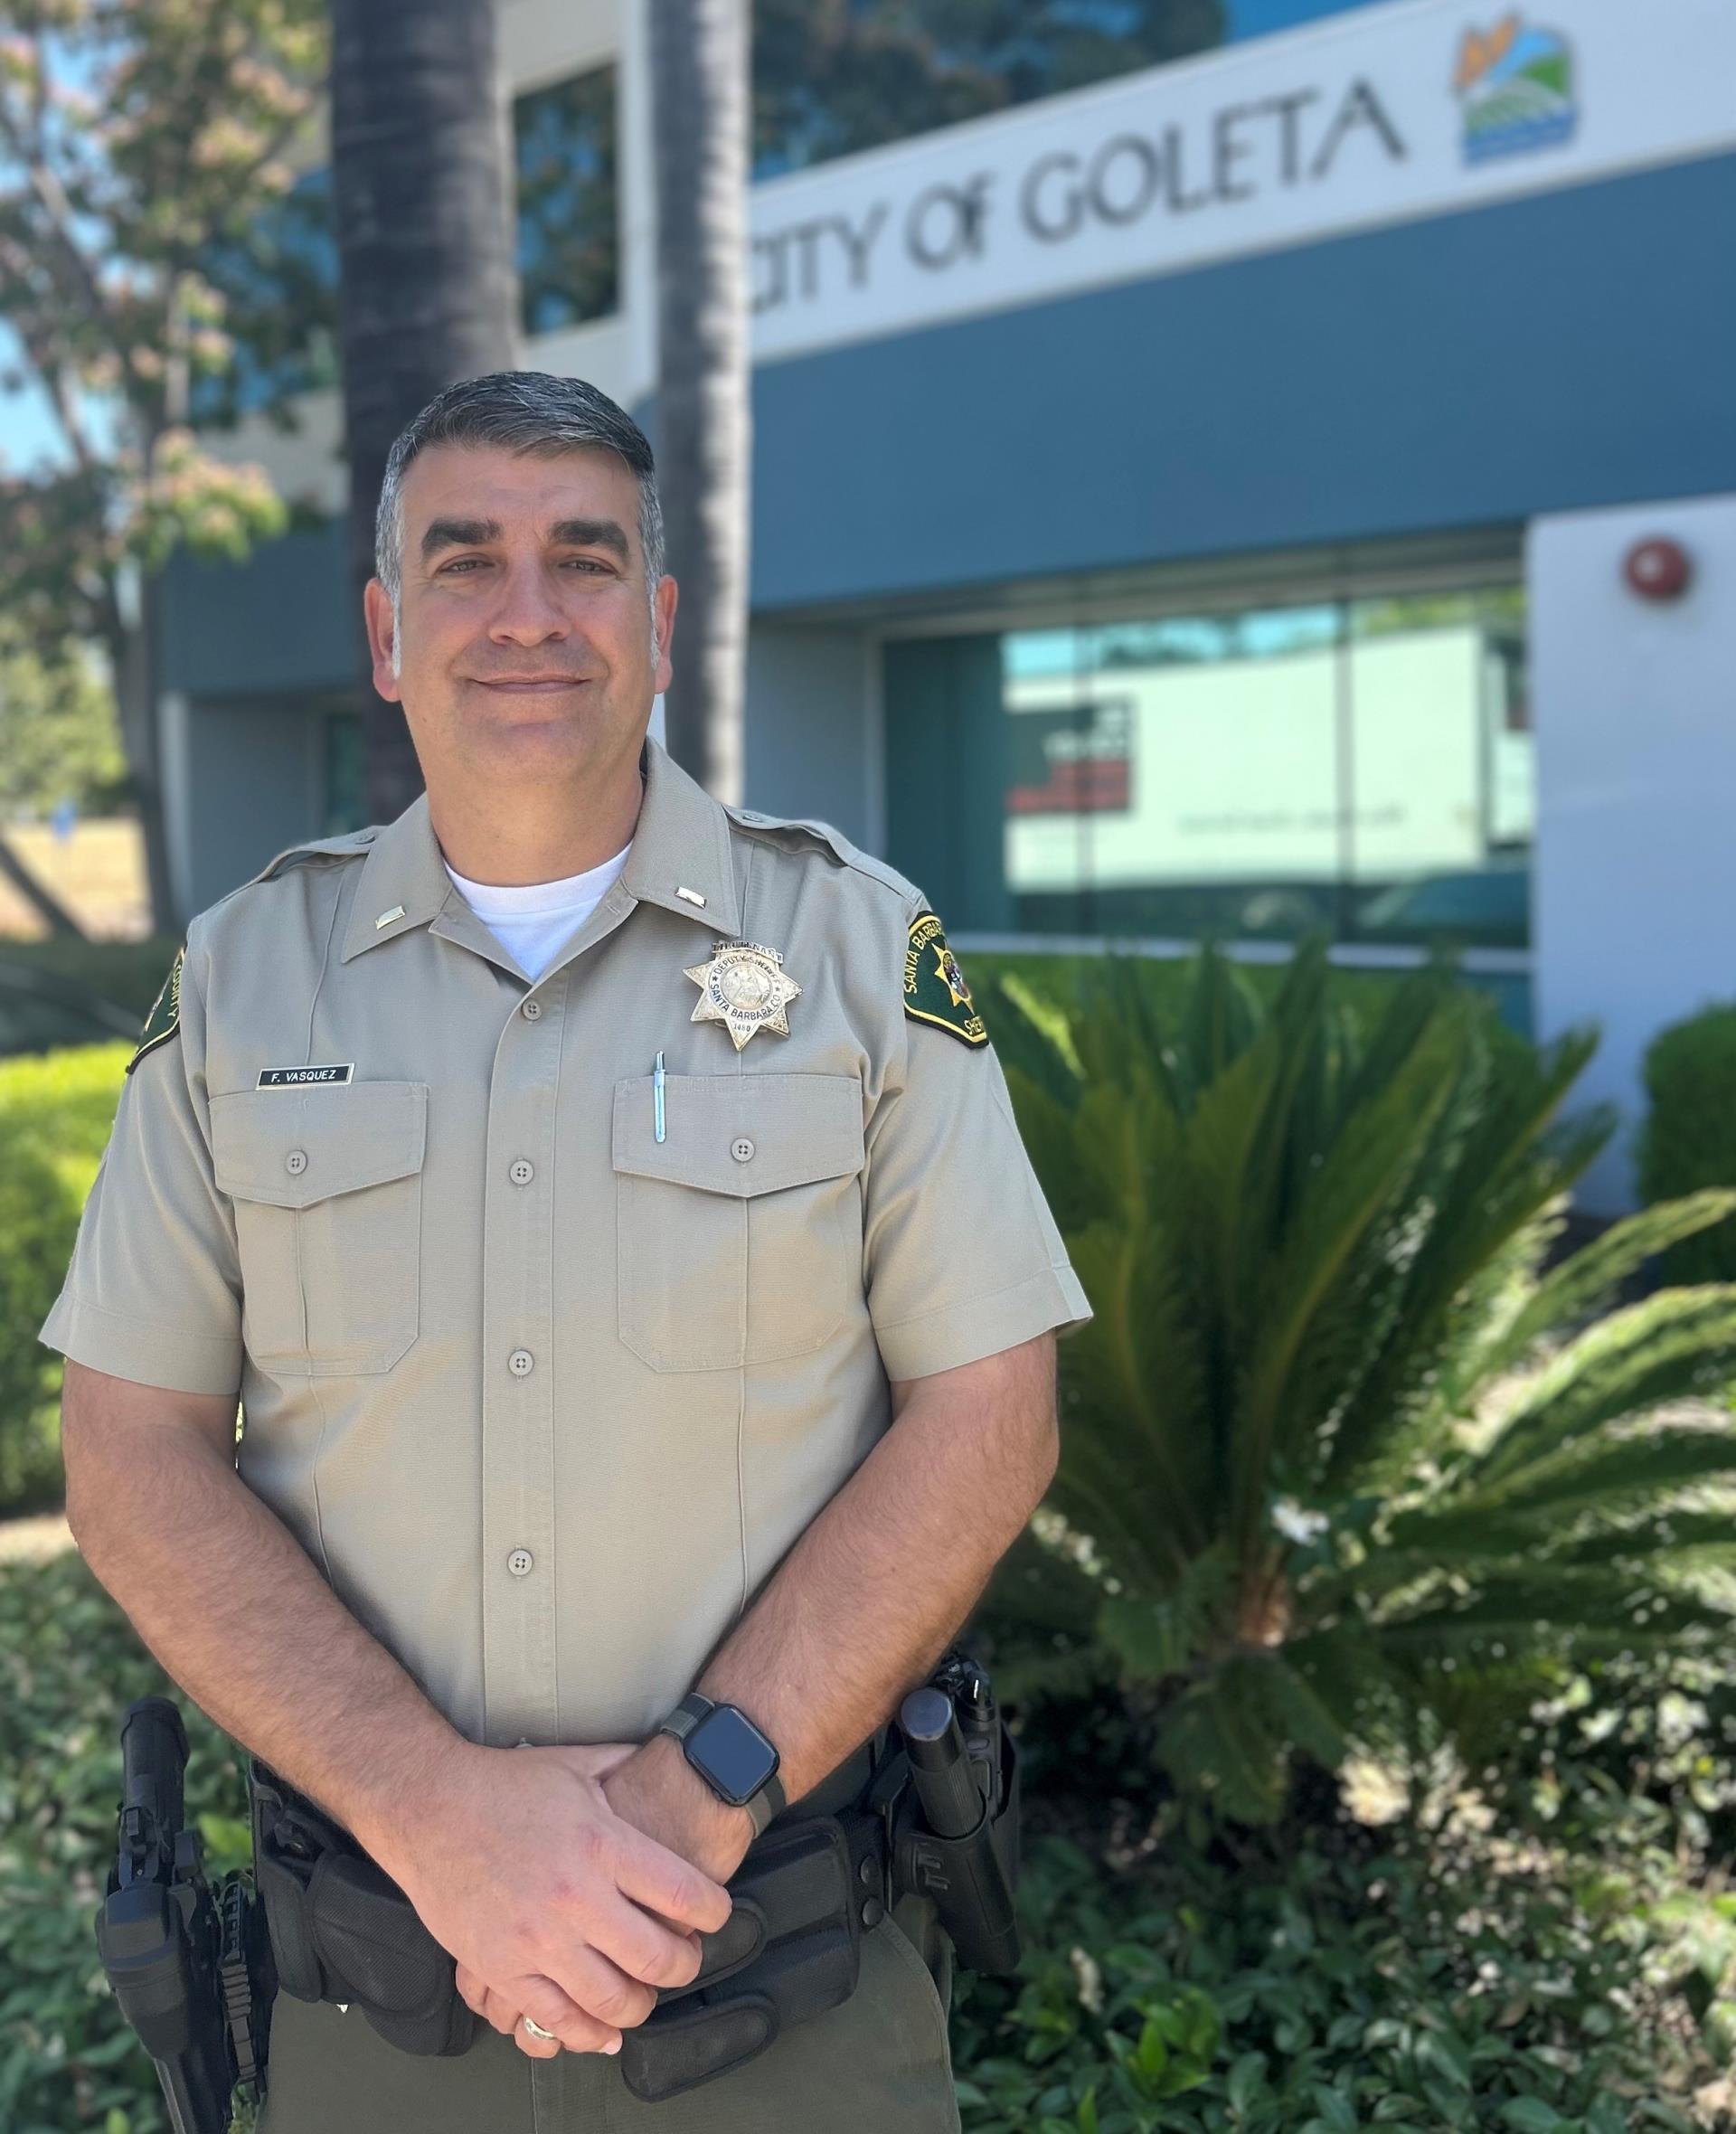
point(535, 920)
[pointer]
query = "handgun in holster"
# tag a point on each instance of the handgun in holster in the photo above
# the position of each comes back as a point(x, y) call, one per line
point(193, 1971)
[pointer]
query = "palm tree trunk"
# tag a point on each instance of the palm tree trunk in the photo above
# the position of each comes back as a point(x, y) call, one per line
point(699, 104)
point(427, 249)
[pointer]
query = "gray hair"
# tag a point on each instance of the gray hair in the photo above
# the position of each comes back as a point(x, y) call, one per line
point(531, 411)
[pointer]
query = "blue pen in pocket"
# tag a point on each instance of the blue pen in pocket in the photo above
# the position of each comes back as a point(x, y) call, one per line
point(656, 1094)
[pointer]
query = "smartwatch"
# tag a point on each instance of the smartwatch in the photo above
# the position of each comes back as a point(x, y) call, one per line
point(731, 1754)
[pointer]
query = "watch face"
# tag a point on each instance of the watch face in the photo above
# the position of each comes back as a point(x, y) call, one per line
point(732, 1752)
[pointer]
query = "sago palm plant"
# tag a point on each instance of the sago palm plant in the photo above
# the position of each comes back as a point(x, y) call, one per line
point(1336, 1442)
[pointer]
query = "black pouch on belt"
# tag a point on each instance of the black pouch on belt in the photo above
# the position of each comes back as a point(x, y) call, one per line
point(341, 1930)
point(790, 1951)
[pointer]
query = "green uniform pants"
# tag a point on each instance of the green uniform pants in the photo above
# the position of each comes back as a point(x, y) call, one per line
point(880, 2061)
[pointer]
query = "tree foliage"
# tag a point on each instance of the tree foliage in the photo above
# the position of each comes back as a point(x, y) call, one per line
point(134, 140)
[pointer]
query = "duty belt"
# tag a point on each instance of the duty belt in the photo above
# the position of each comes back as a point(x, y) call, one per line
point(196, 1970)
point(342, 1931)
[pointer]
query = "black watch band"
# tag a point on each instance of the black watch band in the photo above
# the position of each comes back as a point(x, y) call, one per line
point(766, 1798)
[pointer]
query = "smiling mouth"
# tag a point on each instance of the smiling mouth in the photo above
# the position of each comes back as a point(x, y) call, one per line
point(536, 683)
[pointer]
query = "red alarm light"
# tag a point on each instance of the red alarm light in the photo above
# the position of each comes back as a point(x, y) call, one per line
point(1658, 568)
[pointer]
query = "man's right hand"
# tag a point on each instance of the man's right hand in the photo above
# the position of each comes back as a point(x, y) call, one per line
point(563, 1909)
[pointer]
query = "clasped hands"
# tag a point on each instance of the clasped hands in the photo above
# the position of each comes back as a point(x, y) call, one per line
point(569, 1883)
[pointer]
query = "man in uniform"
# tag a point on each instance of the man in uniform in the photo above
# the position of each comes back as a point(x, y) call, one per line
point(609, 1210)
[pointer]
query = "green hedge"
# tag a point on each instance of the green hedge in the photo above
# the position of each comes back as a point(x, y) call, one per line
point(1689, 1136)
point(55, 1113)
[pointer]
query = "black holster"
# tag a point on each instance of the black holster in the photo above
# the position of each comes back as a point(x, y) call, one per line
point(790, 1951)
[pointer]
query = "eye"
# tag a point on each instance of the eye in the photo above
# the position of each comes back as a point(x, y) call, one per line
point(446, 569)
point(590, 562)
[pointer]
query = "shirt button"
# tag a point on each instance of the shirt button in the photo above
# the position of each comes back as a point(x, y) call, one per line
point(523, 1171)
point(519, 1562)
point(530, 1010)
point(295, 1162)
point(742, 1150)
point(521, 1363)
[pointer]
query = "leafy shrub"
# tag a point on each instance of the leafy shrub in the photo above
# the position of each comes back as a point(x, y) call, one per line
point(1334, 1980)
point(1318, 1512)
point(55, 1113)
point(1688, 1139)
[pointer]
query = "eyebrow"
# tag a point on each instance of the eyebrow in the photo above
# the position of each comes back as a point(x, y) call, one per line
point(564, 533)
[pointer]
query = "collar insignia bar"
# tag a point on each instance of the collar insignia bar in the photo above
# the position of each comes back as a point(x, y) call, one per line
point(745, 988)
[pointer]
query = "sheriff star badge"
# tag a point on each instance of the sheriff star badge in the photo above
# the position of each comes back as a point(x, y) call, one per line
point(745, 988)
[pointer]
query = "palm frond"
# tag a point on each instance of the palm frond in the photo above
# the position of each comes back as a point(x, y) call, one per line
point(1365, 1168)
point(1586, 1282)
point(1133, 1471)
point(1670, 1347)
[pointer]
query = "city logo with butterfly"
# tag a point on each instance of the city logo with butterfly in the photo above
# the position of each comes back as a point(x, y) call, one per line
point(1514, 85)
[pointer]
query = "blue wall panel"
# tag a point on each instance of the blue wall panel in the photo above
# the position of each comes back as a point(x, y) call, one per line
point(279, 621)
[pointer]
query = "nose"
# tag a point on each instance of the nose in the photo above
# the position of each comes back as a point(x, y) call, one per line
point(526, 611)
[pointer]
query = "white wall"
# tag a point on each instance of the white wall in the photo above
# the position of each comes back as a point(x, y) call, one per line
point(1635, 703)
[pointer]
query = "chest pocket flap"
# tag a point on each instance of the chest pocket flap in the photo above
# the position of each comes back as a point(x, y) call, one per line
point(327, 1189)
point(294, 1146)
point(741, 1134)
point(739, 1232)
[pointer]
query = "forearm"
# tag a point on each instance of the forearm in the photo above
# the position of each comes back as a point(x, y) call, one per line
point(872, 1593)
point(226, 1599)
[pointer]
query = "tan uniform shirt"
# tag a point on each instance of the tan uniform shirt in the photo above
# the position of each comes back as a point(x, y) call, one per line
point(544, 1397)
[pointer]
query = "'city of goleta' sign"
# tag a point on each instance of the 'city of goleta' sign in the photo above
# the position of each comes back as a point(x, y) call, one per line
point(1419, 108)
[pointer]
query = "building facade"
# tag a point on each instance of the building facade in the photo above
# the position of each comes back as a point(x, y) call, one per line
point(1231, 476)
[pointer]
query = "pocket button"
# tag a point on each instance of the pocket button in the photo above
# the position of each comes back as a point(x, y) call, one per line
point(742, 1150)
point(295, 1162)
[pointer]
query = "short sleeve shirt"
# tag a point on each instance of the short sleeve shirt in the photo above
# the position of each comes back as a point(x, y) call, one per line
point(545, 1371)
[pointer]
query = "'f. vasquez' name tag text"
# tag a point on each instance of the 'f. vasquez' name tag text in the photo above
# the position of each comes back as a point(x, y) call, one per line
point(290, 1078)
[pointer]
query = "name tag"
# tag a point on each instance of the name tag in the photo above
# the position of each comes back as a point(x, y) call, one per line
point(292, 1078)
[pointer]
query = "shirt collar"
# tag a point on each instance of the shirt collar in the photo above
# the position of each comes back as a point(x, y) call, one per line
point(681, 843)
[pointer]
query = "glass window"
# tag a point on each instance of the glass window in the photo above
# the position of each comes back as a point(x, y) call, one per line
point(279, 279)
point(830, 80)
point(1362, 765)
point(568, 259)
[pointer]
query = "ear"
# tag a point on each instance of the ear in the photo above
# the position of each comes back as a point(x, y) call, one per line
point(663, 606)
point(376, 609)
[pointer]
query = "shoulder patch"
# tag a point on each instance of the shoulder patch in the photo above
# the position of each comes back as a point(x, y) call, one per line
point(164, 1018)
point(934, 987)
